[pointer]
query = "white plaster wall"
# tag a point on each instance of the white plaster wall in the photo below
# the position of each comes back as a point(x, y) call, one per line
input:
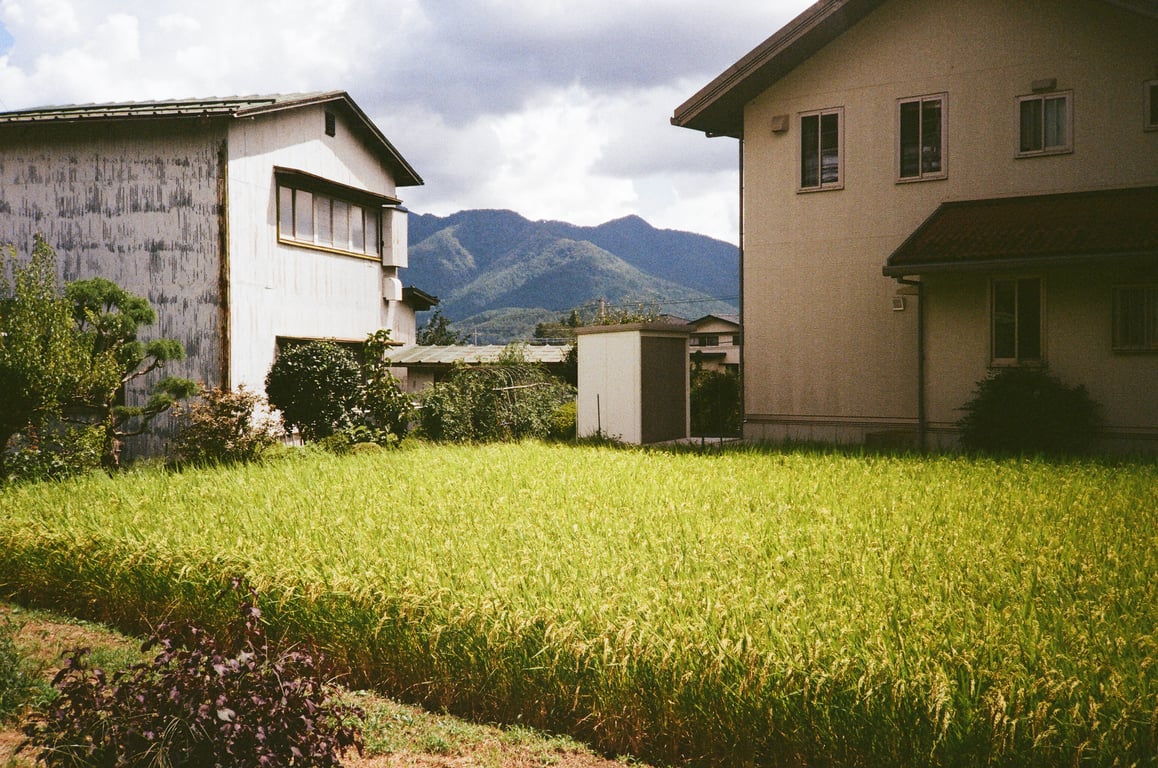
point(286, 290)
point(610, 386)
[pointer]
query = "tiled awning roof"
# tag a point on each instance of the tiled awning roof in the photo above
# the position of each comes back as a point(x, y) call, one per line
point(1014, 231)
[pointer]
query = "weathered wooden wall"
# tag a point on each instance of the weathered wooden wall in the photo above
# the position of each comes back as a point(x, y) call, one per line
point(136, 203)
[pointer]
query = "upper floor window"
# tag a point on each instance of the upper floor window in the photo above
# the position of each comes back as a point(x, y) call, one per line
point(321, 214)
point(921, 138)
point(705, 340)
point(1151, 105)
point(1016, 321)
point(1046, 124)
point(821, 149)
point(1136, 317)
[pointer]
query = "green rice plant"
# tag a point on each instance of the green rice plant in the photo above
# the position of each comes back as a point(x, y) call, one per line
point(743, 607)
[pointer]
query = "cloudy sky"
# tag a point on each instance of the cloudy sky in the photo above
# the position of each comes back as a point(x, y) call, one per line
point(557, 110)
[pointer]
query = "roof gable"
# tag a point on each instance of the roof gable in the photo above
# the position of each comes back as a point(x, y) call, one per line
point(717, 109)
point(229, 107)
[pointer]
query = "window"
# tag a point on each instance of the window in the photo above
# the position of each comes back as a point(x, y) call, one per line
point(821, 161)
point(1136, 317)
point(921, 138)
point(705, 340)
point(1016, 307)
point(1151, 105)
point(328, 222)
point(1046, 124)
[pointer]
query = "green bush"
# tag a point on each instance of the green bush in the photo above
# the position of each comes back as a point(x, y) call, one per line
point(1028, 411)
point(715, 403)
point(58, 451)
point(564, 421)
point(503, 401)
point(224, 427)
point(316, 386)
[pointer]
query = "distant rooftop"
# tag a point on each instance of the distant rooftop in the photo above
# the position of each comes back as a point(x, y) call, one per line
point(474, 355)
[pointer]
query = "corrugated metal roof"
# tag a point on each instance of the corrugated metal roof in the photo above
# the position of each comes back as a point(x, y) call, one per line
point(474, 355)
point(236, 107)
point(213, 106)
point(1064, 227)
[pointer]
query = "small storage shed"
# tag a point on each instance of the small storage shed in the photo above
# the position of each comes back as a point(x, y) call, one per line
point(633, 382)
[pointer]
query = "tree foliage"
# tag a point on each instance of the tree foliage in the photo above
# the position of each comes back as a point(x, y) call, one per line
point(438, 333)
point(509, 400)
point(315, 386)
point(224, 427)
point(715, 403)
point(322, 390)
point(108, 319)
point(41, 356)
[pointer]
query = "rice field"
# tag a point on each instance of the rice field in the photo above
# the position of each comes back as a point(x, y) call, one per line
point(738, 608)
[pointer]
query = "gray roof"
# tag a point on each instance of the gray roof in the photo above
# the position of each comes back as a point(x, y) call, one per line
point(474, 355)
point(235, 107)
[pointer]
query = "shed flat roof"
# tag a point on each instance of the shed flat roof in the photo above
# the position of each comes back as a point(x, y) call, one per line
point(1037, 229)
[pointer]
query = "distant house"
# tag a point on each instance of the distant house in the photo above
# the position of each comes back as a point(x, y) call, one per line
point(715, 343)
point(933, 189)
point(245, 221)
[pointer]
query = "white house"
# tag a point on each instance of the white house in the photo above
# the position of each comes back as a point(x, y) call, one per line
point(244, 221)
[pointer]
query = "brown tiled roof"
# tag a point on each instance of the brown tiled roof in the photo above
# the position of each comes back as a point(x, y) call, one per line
point(1006, 231)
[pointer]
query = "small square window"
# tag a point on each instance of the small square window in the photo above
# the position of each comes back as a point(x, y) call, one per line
point(822, 150)
point(1046, 124)
point(1151, 105)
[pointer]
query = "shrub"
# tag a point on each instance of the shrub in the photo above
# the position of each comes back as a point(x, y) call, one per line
point(503, 401)
point(56, 452)
point(315, 386)
point(200, 702)
point(564, 421)
point(223, 427)
point(1028, 410)
point(715, 403)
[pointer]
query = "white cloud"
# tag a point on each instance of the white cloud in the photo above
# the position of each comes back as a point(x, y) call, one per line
point(553, 109)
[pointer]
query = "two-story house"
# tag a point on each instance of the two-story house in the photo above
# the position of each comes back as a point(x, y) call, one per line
point(245, 221)
point(934, 188)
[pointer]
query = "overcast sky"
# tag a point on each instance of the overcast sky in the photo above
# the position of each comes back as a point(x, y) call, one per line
point(557, 110)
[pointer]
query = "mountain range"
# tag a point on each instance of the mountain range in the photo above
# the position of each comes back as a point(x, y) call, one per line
point(498, 274)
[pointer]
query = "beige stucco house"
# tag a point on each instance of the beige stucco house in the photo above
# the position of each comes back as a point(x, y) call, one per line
point(244, 221)
point(714, 343)
point(933, 188)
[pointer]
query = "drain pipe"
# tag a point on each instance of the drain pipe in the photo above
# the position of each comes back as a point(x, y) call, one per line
point(922, 418)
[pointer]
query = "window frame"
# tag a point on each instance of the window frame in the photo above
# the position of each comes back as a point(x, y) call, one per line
point(821, 185)
point(1149, 319)
point(1017, 359)
point(1150, 105)
point(1052, 149)
point(291, 186)
point(922, 175)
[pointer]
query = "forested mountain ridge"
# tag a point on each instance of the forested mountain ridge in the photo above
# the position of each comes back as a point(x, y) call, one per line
point(498, 273)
